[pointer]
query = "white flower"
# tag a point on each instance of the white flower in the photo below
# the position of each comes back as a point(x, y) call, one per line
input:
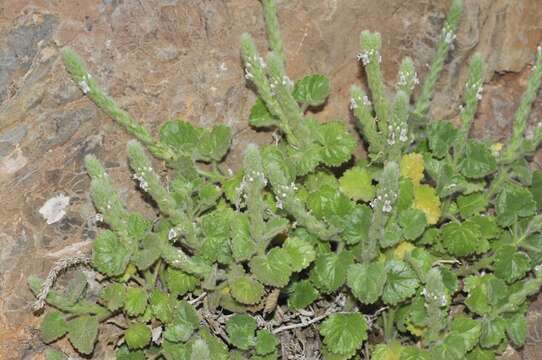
point(387, 206)
point(172, 234)
point(84, 87)
point(99, 218)
point(353, 104)
point(449, 37)
point(403, 135)
point(248, 74)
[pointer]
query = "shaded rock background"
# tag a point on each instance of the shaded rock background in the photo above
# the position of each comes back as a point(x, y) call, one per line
point(179, 58)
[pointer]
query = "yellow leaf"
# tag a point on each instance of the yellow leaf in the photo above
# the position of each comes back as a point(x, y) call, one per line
point(426, 200)
point(402, 250)
point(412, 167)
point(414, 330)
point(387, 351)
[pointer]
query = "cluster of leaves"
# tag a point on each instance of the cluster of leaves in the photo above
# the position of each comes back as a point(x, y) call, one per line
point(435, 235)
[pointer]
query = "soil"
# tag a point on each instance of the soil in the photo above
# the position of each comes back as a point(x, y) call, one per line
point(162, 59)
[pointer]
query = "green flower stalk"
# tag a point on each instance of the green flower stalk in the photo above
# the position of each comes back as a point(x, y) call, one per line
point(382, 209)
point(287, 199)
point(255, 72)
point(178, 259)
point(446, 39)
point(515, 148)
point(436, 303)
point(272, 28)
point(472, 95)
point(150, 183)
point(78, 71)
point(362, 108)
point(253, 185)
point(398, 131)
point(407, 77)
point(105, 197)
point(371, 59)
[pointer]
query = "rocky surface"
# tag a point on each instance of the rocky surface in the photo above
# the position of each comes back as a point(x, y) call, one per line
point(179, 58)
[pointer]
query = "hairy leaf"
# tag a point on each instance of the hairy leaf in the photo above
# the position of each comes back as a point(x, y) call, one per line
point(367, 281)
point(344, 333)
point(241, 328)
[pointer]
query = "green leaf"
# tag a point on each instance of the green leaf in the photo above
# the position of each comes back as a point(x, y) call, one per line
point(420, 259)
point(536, 188)
point(344, 333)
point(199, 350)
point(312, 90)
point(414, 353)
point(357, 184)
point(240, 329)
point(162, 306)
point(472, 204)
point(441, 136)
point(179, 282)
point(273, 268)
point(329, 271)
point(461, 239)
point(477, 161)
point(533, 245)
point(487, 224)
point(245, 289)
point(208, 195)
point(215, 144)
point(231, 185)
point(175, 351)
point(366, 281)
point(392, 234)
point(137, 226)
point(413, 222)
point(480, 354)
point(217, 348)
point(305, 159)
point(52, 354)
point(356, 225)
point(113, 296)
point(82, 333)
point(135, 302)
point(493, 332)
point(181, 136)
point(401, 282)
point(468, 329)
point(302, 294)
point(337, 143)
point(185, 321)
point(390, 351)
point(406, 194)
point(53, 326)
point(266, 342)
point(516, 329)
point(144, 258)
point(300, 253)
point(512, 203)
point(260, 115)
point(76, 287)
point(109, 256)
point(452, 348)
point(510, 264)
point(329, 204)
point(137, 336)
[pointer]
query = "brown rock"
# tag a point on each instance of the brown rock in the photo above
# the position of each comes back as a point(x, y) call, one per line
point(167, 58)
